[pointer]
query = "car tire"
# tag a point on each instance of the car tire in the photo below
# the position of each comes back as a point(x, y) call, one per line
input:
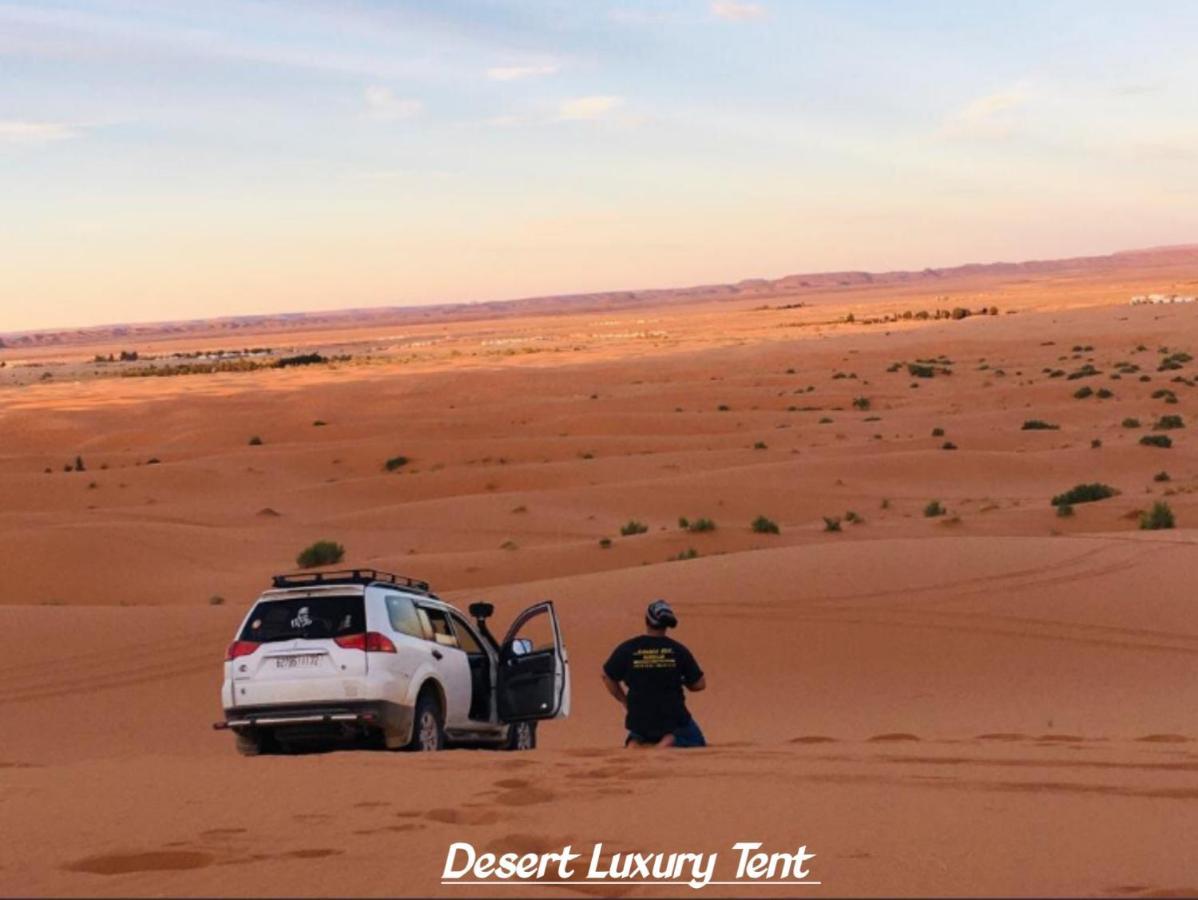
point(428, 727)
point(254, 743)
point(521, 736)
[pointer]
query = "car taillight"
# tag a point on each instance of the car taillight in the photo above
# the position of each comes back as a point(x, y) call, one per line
point(371, 642)
point(240, 648)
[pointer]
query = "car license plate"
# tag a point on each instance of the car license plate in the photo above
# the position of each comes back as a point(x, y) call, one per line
point(297, 662)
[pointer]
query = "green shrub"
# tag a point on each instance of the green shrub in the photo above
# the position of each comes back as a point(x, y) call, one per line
point(831, 523)
point(1131, 422)
point(1105, 393)
point(948, 445)
point(255, 441)
point(937, 432)
point(1165, 423)
point(1157, 518)
point(319, 423)
point(701, 525)
point(1084, 493)
point(1157, 440)
point(632, 526)
point(1161, 476)
point(395, 463)
point(760, 445)
point(688, 553)
point(762, 525)
point(605, 543)
point(933, 509)
point(921, 371)
point(861, 403)
point(322, 553)
point(1083, 392)
point(852, 518)
point(1039, 425)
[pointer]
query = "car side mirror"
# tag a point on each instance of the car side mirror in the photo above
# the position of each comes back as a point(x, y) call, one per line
point(521, 647)
point(481, 610)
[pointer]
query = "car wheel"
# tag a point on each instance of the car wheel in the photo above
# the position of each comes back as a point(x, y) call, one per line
point(255, 743)
point(521, 736)
point(428, 732)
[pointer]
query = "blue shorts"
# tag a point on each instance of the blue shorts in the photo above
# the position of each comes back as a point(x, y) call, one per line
point(687, 735)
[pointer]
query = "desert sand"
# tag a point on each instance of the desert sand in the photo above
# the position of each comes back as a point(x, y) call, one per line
point(993, 701)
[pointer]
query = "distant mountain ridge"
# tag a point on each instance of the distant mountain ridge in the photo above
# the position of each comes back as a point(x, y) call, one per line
point(787, 285)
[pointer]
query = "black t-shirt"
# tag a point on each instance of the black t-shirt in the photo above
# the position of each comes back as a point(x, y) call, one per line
point(655, 669)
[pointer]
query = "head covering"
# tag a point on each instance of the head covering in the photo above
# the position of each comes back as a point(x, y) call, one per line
point(660, 615)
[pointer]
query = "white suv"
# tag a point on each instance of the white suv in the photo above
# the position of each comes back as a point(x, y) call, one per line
point(368, 655)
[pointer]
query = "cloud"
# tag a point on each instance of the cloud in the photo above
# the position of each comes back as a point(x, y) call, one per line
point(986, 118)
point(24, 132)
point(514, 73)
point(382, 104)
point(736, 11)
point(587, 107)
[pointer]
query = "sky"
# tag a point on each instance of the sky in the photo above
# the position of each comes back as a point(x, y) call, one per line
point(163, 160)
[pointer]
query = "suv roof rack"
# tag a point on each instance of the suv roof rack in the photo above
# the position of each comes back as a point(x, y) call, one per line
point(348, 576)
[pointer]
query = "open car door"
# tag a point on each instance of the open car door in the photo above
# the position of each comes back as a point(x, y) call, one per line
point(534, 672)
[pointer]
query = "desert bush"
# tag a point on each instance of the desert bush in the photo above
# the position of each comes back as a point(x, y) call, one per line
point(760, 445)
point(916, 370)
point(1083, 392)
point(1161, 476)
point(216, 600)
point(948, 445)
point(861, 403)
point(1039, 425)
point(762, 525)
point(1157, 440)
point(852, 518)
point(1065, 510)
point(632, 526)
point(688, 553)
point(933, 509)
point(1160, 516)
point(1131, 422)
point(937, 432)
point(1084, 493)
point(322, 553)
point(700, 525)
point(1095, 443)
point(831, 523)
point(303, 359)
point(319, 423)
point(255, 441)
point(1104, 393)
point(605, 543)
point(395, 463)
point(1165, 423)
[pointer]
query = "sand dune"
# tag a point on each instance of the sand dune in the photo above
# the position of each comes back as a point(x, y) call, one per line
point(993, 701)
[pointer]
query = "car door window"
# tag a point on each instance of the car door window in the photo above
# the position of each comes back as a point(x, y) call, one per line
point(439, 624)
point(466, 639)
point(404, 618)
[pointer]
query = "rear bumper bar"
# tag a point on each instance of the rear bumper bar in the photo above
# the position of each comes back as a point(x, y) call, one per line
point(394, 720)
point(298, 719)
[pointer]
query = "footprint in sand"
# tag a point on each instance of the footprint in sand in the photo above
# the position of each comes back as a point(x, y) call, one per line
point(525, 797)
point(1002, 736)
point(812, 739)
point(1164, 739)
point(894, 736)
point(221, 832)
point(463, 816)
point(148, 861)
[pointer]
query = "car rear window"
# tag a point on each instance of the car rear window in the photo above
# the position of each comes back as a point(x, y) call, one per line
point(308, 618)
